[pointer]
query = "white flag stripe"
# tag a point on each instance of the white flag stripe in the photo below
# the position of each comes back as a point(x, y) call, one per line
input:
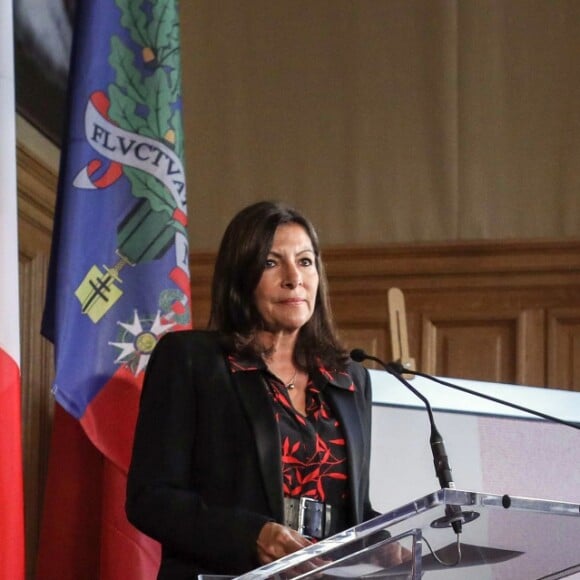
point(9, 304)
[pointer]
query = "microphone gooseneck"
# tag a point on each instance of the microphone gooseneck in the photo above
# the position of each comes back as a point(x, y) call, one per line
point(491, 398)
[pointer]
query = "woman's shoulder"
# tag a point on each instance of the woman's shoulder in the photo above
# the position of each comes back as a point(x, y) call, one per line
point(359, 374)
point(350, 375)
point(190, 339)
point(355, 369)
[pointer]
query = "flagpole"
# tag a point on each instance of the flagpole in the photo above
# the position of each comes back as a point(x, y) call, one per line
point(8, 158)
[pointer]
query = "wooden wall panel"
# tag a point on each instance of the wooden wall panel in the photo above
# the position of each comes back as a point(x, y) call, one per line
point(372, 339)
point(500, 346)
point(476, 310)
point(564, 347)
point(37, 401)
point(470, 348)
point(36, 197)
point(37, 183)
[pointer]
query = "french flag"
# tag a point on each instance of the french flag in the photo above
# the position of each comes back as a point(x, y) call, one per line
point(11, 483)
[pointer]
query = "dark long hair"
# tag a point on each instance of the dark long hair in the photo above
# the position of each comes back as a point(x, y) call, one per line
point(240, 262)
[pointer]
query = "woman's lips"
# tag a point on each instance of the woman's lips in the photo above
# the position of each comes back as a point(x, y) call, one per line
point(292, 301)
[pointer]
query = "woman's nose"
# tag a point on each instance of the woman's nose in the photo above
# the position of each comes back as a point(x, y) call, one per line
point(292, 277)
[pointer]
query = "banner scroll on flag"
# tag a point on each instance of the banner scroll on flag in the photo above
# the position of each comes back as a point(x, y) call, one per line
point(11, 484)
point(119, 275)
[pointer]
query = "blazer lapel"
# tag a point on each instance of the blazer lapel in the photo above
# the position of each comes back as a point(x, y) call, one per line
point(342, 401)
point(254, 396)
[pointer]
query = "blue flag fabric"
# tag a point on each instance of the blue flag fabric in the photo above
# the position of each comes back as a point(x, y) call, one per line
point(119, 276)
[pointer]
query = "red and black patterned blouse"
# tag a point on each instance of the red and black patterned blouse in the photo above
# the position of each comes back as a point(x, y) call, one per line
point(314, 459)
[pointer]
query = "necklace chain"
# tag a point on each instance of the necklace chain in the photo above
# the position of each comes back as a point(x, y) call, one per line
point(292, 382)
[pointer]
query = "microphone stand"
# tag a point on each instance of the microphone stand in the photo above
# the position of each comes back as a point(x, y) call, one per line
point(454, 516)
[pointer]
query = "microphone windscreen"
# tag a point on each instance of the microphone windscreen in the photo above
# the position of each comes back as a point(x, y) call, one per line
point(358, 354)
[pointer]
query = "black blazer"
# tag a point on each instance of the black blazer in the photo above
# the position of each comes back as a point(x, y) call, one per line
point(206, 471)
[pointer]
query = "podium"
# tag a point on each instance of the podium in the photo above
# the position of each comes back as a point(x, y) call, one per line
point(502, 537)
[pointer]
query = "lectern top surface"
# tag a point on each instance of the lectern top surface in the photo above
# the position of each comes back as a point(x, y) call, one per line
point(501, 537)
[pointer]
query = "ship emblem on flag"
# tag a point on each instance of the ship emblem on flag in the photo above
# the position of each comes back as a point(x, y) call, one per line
point(130, 138)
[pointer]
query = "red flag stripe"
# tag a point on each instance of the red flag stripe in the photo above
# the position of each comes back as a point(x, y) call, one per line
point(11, 491)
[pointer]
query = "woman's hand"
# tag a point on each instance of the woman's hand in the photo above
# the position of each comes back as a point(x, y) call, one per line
point(276, 541)
point(391, 554)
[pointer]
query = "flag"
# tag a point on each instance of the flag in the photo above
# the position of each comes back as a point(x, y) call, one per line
point(11, 484)
point(119, 275)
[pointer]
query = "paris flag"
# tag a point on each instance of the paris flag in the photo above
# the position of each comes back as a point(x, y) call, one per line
point(118, 278)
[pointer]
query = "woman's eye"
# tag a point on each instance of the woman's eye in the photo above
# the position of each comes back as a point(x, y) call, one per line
point(270, 263)
point(306, 262)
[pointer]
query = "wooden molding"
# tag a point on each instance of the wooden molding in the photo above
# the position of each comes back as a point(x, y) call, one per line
point(37, 401)
point(564, 347)
point(37, 185)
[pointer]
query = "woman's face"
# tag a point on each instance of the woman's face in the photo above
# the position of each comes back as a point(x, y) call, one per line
point(286, 294)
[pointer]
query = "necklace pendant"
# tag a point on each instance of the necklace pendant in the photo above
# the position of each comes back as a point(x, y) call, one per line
point(292, 382)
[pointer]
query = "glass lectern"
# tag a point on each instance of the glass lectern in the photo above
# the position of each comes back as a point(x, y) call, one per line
point(502, 537)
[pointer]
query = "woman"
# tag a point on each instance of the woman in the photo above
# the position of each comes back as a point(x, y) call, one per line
point(240, 422)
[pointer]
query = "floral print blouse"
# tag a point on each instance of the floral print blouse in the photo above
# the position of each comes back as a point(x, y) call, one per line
point(314, 460)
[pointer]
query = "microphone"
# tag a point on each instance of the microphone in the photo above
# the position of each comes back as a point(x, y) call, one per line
point(454, 515)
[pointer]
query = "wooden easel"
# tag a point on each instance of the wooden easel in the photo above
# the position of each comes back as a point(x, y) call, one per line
point(398, 325)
